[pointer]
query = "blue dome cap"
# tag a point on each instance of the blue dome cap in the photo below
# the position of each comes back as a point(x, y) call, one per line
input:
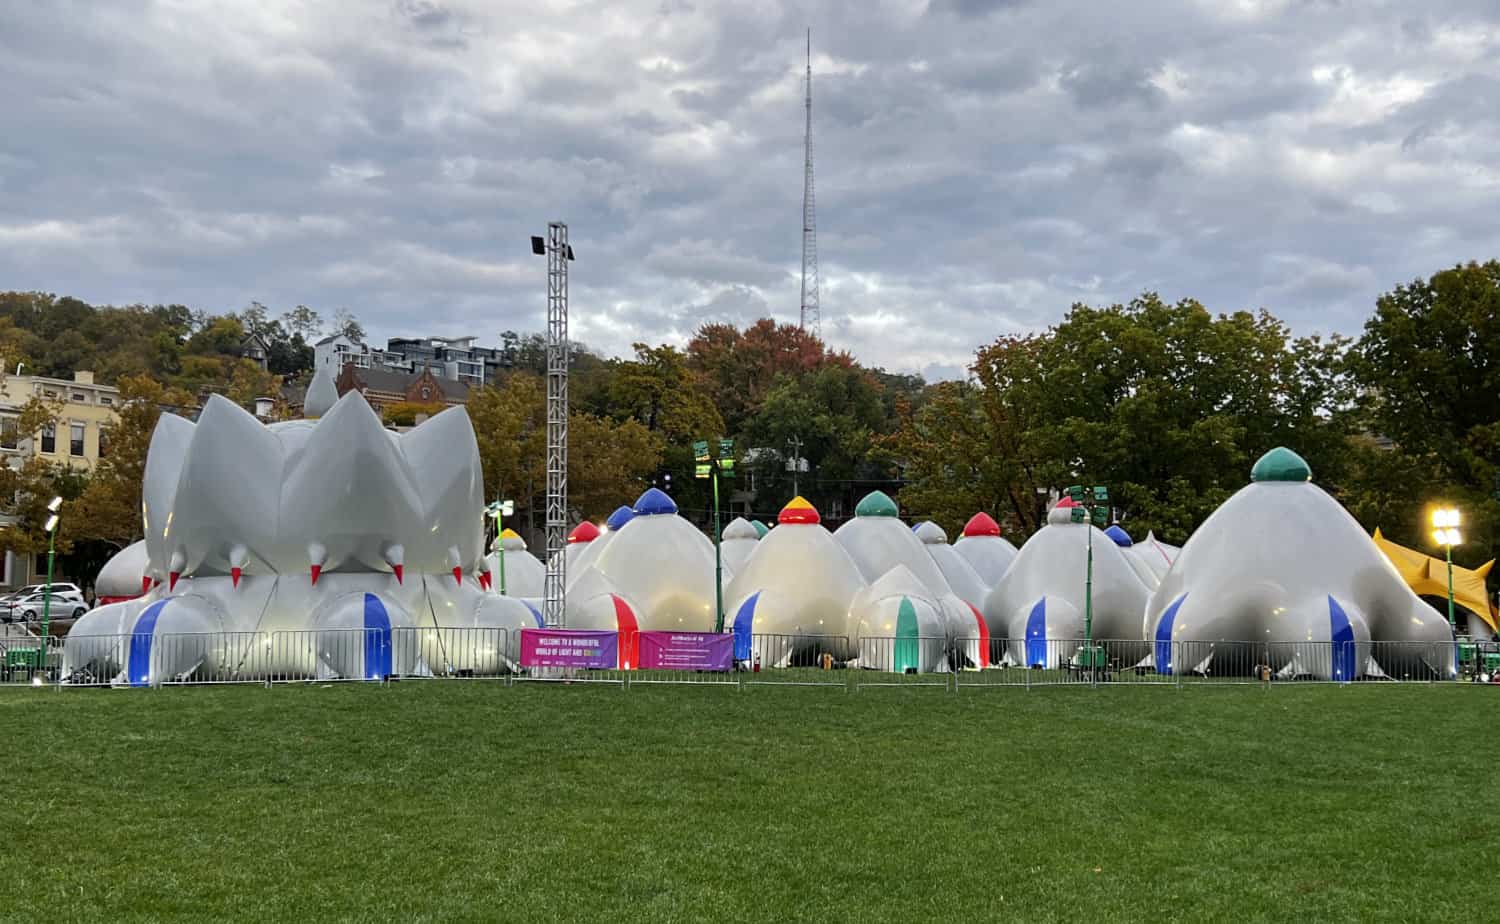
point(654, 502)
point(619, 518)
point(1120, 536)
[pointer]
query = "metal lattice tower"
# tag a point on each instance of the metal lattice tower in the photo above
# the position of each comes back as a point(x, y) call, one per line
point(555, 588)
point(810, 318)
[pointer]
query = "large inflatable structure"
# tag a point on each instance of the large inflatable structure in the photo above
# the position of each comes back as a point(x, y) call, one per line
point(1038, 607)
point(339, 534)
point(331, 547)
point(1281, 576)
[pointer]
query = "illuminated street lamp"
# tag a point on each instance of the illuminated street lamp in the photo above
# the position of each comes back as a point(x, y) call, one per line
point(498, 511)
point(51, 527)
point(1445, 522)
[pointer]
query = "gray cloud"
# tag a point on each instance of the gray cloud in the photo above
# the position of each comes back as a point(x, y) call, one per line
point(981, 165)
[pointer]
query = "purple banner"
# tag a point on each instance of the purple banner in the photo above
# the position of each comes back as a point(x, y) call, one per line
point(570, 648)
point(686, 651)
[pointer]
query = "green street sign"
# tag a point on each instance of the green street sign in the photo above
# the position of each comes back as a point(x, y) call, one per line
point(1101, 494)
point(726, 448)
point(1075, 491)
point(700, 450)
point(1079, 514)
point(1101, 517)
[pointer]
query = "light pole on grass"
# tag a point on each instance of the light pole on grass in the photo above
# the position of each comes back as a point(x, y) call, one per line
point(1090, 508)
point(51, 527)
point(499, 510)
point(711, 467)
point(1445, 522)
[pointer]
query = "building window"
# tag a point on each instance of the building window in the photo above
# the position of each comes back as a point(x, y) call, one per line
point(10, 434)
point(106, 400)
point(80, 398)
point(103, 443)
point(75, 439)
point(49, 438)
point(51, 393)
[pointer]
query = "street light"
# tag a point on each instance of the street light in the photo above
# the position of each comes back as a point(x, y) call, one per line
point(1090, 506)
point(499, 510)
point(51, 527)
point(706, 465)
point(1445, 523)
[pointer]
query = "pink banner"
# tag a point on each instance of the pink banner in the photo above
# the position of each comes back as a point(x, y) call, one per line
point(686, 651)
point(586, 648)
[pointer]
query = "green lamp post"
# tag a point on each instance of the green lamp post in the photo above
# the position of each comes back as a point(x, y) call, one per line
point(51, 527)
point(712, 467)
point(1445, 523)
point(1090, 507)
point(499, 510)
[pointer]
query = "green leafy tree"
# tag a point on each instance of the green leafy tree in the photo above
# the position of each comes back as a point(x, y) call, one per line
point(1428, 365)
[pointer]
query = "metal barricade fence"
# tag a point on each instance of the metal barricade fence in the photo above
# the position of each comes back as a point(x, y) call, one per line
point(1039, 662)
point(913, 661)
point(460, 652)
point(727, 678)
point(193, 658)
point(27, 659)
point(793, 660)
point(151, 659)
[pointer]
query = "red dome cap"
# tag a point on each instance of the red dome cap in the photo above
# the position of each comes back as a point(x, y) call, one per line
point(799, 511)
point(584, 532)
point(981, 524)
point(1065, 502)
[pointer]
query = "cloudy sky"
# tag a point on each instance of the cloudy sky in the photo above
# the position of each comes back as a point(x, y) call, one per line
point(981, 164)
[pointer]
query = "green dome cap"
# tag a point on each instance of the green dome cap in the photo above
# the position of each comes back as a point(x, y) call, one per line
point(876, 504)
point(1281, 464)
point(760, 528)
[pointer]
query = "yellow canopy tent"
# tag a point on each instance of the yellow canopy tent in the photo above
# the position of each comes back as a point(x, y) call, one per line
point(1428, 576)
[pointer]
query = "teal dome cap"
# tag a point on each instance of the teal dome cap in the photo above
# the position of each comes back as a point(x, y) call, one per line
point(1281, 464)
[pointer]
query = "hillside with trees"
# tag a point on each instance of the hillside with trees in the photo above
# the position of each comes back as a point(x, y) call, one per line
point(1167, 403)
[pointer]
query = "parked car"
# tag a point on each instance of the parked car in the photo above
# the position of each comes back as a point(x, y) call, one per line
point(29, 607)
point(58, 586)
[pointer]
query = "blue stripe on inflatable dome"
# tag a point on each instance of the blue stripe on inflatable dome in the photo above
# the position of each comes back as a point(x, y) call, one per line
point(744, 623)
point(138, 671)
point(537, 615)
point(1341, 633)
point(377, 639)
point(1036, 635)
point(1163, 650)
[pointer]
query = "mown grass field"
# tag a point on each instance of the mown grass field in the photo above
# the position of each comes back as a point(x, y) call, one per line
point(476, 801)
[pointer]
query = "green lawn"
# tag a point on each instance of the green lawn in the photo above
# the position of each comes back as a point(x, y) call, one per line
point(476, 801)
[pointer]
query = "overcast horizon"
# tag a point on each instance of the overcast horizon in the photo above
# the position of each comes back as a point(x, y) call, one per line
point(981, 164)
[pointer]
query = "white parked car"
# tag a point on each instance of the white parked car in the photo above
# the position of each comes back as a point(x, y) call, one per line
point(28, 607)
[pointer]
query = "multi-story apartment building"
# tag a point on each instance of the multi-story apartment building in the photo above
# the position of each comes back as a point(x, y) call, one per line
point(456, 359)
point(76, 439)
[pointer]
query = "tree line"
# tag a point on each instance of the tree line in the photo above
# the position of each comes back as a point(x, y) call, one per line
point(1168, 403)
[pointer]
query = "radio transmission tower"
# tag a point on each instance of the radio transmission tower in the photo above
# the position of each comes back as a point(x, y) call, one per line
point(810, 318)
